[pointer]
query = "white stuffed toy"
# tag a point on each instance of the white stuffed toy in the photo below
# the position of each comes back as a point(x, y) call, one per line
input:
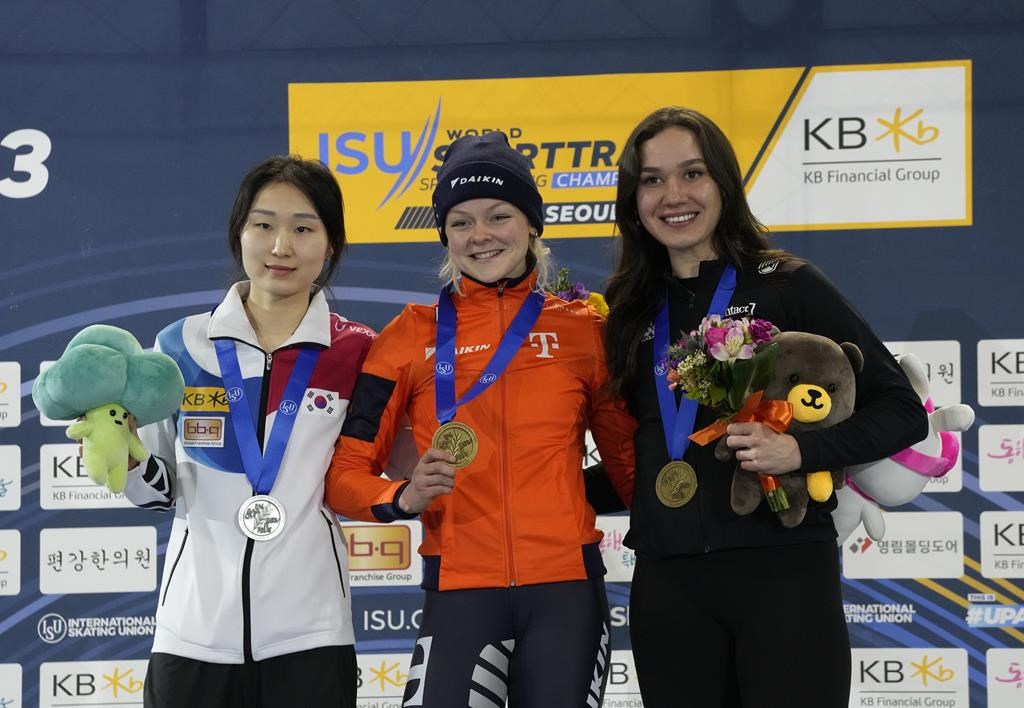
point(898, 479)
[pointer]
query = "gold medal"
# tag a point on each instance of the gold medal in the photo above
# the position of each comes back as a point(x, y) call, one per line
point(676, 484)
point(458, 439)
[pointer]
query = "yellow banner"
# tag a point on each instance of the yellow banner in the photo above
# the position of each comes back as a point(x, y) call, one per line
point(863, 146)
point(385, 141)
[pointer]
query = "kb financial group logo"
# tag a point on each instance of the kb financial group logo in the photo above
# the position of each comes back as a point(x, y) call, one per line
point(91, 683)
point(934, 677)
point(893, 134)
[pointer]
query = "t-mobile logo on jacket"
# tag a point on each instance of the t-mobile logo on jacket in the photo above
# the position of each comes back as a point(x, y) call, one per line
point(546, 341)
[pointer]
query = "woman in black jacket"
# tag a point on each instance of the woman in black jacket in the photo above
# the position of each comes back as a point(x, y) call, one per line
point(730, 610)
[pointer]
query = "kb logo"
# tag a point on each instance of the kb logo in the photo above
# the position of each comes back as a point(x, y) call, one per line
point(52, 628)
point(851, 132)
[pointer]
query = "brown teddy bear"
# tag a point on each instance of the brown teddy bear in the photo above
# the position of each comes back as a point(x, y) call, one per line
point(818, 377)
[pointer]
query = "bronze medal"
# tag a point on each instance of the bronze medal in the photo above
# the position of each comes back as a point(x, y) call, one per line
point(458, 439)
point(676, 484)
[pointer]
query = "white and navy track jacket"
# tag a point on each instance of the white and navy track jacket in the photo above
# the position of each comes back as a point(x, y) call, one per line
point(225, 598)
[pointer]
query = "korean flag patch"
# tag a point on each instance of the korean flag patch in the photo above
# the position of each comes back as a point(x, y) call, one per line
point(319, 401)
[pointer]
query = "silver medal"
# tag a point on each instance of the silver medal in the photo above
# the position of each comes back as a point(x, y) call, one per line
point(261, 517)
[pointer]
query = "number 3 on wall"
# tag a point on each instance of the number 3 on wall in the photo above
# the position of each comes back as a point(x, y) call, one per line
point(30, 163)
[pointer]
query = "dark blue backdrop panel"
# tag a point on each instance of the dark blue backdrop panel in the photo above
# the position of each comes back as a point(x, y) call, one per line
point(156, 109)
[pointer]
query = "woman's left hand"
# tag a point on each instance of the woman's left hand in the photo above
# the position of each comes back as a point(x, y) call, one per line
point(760, 449)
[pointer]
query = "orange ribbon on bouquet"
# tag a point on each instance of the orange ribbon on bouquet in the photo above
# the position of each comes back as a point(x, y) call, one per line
point(777, 415)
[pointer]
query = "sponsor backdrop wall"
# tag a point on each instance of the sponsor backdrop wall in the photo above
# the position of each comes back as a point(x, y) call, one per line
point(879, 139)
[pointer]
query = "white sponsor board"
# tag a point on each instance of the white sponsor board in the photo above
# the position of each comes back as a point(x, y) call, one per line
point(1001, 372)
point(870, 146)
point(10, 686)
point(384, 554)
point(64, 483)
point(618, 560)
point(917, 544)
point(382, 679)
point(10, 562)
point(622, 690)
point(1002, 544)
point(10, 394)
point(10, 478)
point(942, 365)
point(98, 559)
point(934, 676)
point(1004, 672)
point(67, 684)
point(1001, 458)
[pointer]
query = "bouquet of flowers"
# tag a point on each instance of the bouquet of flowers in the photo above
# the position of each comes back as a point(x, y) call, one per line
point(568, 289)
point(726, 364)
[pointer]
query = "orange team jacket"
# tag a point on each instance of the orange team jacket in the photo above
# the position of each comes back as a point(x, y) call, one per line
point(518, 513)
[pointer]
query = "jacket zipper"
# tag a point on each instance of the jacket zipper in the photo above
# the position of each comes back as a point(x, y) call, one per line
point(250, 543)
point(506, 483)
point(334, 546)
point(174, 566)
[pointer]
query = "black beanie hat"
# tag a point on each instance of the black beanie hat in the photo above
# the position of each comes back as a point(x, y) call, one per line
point(486, 166)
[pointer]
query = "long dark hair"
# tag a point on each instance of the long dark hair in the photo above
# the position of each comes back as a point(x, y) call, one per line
point(311, 178)
point(637, 286)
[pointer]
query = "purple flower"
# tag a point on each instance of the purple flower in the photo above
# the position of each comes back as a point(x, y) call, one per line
point(760, 331)
point(572, 291)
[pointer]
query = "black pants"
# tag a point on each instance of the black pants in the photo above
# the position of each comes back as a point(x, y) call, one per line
point(541, 646)
point(750, 628)
point(317, 678)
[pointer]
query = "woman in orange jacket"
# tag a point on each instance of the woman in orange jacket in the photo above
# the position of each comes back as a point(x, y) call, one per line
point(499, 381)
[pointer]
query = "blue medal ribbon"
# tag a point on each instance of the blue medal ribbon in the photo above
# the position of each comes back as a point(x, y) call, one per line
point(444, 367)
point(678, 420)
point(261, 467)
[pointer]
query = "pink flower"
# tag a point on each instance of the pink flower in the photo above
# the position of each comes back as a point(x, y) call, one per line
point(715, 336)
point(732, 345)
point(761, 331)
point(706, 324)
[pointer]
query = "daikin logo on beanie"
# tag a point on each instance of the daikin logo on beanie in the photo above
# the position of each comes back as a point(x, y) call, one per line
point(486, 166)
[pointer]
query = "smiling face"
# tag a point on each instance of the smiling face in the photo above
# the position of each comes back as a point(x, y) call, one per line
point(488, 239)
point(678, 202)
point(110, 414)
point(283, 243)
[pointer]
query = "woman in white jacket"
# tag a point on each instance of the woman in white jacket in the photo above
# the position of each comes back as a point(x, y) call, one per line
point(254, 606)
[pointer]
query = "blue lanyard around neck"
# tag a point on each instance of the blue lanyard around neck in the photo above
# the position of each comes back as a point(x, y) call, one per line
point(261, 467)
point(678, 421)
point(444, 367)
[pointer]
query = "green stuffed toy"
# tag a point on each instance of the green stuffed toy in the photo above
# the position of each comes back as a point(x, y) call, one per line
point(102, 377)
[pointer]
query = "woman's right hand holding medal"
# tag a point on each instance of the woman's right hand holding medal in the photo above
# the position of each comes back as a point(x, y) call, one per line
point(433, 476)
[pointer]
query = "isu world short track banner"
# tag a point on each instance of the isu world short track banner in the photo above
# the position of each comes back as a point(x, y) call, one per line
point(822, 147)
